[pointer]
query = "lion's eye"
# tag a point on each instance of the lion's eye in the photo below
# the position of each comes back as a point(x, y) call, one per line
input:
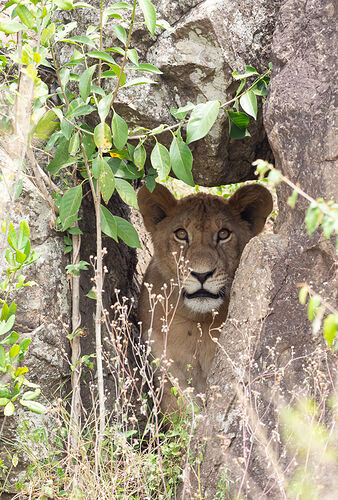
point(181, 234)
point(223, 234)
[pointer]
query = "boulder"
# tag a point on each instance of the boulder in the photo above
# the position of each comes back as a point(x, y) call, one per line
point(208, 41)
point(43, 312)
point(269, 358)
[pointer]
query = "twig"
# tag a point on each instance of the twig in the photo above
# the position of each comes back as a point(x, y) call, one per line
point(125, 53)
point(99, 285)
point(75, 413)
point(38, 176)
point(58, 76)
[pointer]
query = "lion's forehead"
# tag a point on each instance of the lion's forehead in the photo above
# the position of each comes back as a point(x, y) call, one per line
point(203, 218)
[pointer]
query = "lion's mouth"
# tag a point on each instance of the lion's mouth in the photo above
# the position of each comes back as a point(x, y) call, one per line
point(202, 293)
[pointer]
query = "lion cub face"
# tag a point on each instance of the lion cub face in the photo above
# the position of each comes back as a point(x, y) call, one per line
point(210, 232)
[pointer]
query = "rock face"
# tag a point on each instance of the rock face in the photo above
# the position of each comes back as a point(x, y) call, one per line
point(208, 42)
point(268, 357)
point(43, 312)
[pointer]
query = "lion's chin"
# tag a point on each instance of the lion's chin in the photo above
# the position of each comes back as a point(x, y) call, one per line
point(203, 305)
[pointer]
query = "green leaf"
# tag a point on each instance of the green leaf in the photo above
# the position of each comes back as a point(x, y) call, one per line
point(303, 294)
point(5, 393)
point(149, 15)
point(4, 401)
point(85, 82)
point(150, 182)
point(120, 131)
point(91, 294)
point(126, 192)
point(46, 125)
point(4, 312)
point(147, 67)
point(104, 107)
point(138, 81)
point(260, 88)
point(120, 33)
point(115, 72)
point(79, 40)
point(330, 326)
point(83, 109)
point(74, 144)
point(33, 406)
point(97, 167)
point(25, 16)
point(160, 160)
point(248, 101)
point(10, 257)
point(20, 257)
point(61, 157)
point(292, 199)
point(249, 71)
point(181, 113)
point(21, 370)
point(201, 120)
point(75, 230)
point(97, 54)
point(108, 223)
point(313, 218)
point(9, 409)
point(133, 56)
point(127, 233)
point(274, 177)
point(30, 395)
point(69, 206)
point(5, 326)
point(24, 234)
point(107, 182)
point(102, 136)
point(67, 129)
point(10, 27)
point(64, 4)
point(139, 156)
point(14, 351)
point(24, 344)
point(11, 238)
point(181, 160)
point(238, 132)
point(239, 119)
point(10, 339)
point(2, 358)
point(312, 307)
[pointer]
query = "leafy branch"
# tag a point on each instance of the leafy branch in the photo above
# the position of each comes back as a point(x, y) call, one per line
point(319, 214)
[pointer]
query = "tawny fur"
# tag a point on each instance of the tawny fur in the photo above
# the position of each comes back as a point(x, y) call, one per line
point(188, 342)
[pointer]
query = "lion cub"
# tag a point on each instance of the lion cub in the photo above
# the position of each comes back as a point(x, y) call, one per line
point(210, 233)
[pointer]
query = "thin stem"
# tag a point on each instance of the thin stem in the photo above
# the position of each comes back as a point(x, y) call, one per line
point(101, 45)
point(58, 76)
point(125, 54)
point(99, 286)
point(75, 415)
point(183, 122)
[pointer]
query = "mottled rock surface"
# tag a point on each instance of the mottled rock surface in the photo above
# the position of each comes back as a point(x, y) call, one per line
point(208, 41)
point(43, 312)
point(268, 355)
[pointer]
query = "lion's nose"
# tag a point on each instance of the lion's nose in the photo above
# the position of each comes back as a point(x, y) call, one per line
point(202, 277)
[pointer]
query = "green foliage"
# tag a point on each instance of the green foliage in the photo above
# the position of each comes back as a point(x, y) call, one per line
point(316, 310)
point(13, 350)
point(90, 147)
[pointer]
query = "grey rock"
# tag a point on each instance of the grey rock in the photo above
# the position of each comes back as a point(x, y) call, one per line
point(209, 40)
point(43, 313)
point(267, 330)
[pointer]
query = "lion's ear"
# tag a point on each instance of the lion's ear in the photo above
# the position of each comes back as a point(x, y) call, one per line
point(253, 203)
point(155, 206)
